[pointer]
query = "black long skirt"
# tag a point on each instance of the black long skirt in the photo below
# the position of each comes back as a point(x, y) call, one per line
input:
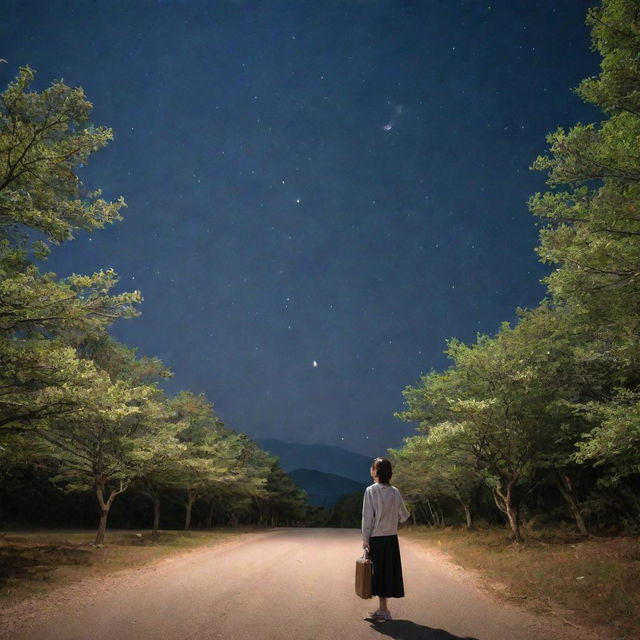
point(387, 568)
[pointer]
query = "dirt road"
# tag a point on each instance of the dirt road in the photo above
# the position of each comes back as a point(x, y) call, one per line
point(287, 584)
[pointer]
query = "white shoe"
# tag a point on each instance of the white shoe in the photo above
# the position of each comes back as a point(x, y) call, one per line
point(381, 616)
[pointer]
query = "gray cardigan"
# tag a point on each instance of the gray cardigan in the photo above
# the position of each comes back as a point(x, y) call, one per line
point(382, 509)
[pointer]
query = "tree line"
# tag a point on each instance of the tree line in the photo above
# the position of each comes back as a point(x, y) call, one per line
point(73, 400)
point(544, 416)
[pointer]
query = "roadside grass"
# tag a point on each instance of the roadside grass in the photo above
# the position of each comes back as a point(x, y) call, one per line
point(592, 582)
point(32, 562)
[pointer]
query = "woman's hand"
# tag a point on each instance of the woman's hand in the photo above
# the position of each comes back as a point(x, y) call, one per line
point(366, 547)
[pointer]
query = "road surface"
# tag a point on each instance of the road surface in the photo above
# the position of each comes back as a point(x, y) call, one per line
point(284, 584)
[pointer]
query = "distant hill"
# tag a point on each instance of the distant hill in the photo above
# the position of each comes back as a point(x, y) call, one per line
point(324, 489)
point(320, 457)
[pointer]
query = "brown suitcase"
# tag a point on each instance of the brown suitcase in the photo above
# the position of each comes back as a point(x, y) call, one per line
point(363, 577)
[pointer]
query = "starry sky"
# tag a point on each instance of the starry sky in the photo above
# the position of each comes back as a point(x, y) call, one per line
point(338, 182)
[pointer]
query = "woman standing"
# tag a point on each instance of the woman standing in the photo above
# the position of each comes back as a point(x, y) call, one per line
point(382, 509)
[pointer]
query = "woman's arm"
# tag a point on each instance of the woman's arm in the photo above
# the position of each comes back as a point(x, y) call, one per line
point(367, 518)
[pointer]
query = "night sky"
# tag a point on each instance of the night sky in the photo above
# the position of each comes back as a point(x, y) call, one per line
point(338, 182)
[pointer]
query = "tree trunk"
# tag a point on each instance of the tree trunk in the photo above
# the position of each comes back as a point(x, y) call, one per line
point(466, 506)
point(566, 489)
point(191, 498)
point(102, 527)
point(467, 515)
point(425, 513)
point(258, 504)
point(156, 515)
point(512, 515)
point(210, 515)
point(504, 501)
point(434, 519)
point(105, 506)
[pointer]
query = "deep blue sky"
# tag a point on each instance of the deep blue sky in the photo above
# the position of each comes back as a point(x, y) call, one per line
point(344, 182)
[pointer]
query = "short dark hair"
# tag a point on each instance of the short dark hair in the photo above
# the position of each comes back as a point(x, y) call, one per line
point(383, 470)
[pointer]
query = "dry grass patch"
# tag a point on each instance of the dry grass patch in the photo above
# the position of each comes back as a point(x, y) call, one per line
point(592, 582)
point(32, 562)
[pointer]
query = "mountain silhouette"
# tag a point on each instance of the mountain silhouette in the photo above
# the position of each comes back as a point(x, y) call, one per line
point(320, 457)
point(324, 489)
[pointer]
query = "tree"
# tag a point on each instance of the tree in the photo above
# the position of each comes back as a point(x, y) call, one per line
point(154, 478)
point(209, 455)
point(106, 444)
point(347, 511)
point(442, 465)
point(414, 477)
point(62, 377)
point(116, 434)
point(557, 395)
point(40, 380)
point(201, 460)
point(32, 303)
point(41, 323)
point(568, 375)
point(248, 477)
point(44, 138)
point(283, 501)
point(590, 220)
point(614, 443)
point(496, 399)
point(591, 214)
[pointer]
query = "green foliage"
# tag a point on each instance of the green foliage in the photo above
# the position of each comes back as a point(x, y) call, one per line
point(283, 502)
point(208, 451)
point(69, 392)
point(102, 443)
point(553, 401)
point(32, 302)
point(591, 216)
point(591, 230)
point(44, 138)
point(439, 465)
point(115, 434)
point(488, 416)
point(615, 440)
point(41, 379)
point(347, 511)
